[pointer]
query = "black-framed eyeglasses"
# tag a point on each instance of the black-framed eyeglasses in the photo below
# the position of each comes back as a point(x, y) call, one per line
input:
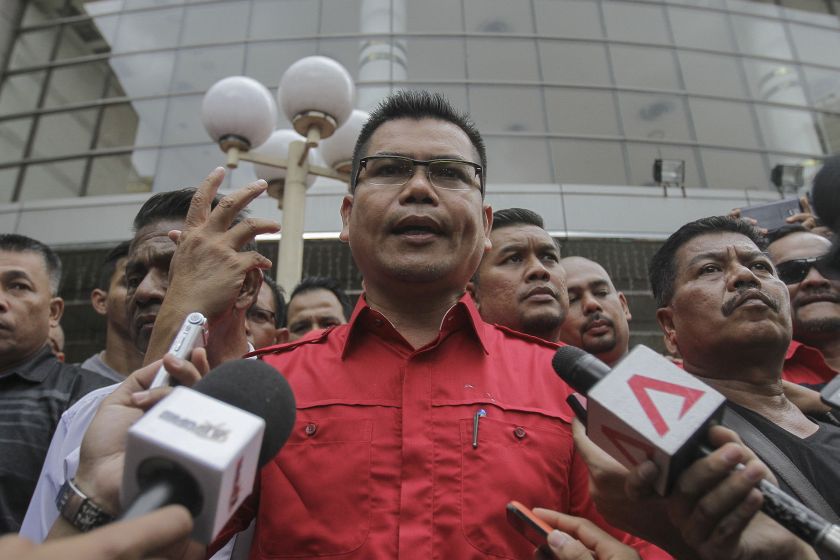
point(260, 316)
point(395, 171)
point(795, 271)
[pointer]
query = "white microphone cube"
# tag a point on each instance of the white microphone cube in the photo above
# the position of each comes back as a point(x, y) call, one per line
point(649, 408)
point(216, 443)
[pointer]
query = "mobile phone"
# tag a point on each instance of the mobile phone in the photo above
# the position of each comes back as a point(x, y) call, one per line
point(532, 527)
point(191, 335)
point(773, 214)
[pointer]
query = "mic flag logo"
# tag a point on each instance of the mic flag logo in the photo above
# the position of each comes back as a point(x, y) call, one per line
point(641, 386)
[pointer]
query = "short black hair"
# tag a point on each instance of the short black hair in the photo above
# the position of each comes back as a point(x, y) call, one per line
point(784, 231)
point(109, 265)
point(662, 270)
point(279, 301)
point(516, 216)
point(174, 205)
point(16, 243)
point(416, 104)
point(311, 283)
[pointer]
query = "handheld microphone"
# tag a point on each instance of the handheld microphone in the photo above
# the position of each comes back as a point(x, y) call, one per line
point(648, 408)
point(201, 447)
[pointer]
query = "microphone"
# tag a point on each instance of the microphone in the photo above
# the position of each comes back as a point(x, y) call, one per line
point(648, 408)
point(201, 447)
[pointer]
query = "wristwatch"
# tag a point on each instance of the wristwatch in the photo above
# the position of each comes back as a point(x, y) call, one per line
point(79, 510)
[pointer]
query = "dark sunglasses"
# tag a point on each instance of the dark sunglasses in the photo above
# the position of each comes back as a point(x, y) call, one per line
point(795, 271)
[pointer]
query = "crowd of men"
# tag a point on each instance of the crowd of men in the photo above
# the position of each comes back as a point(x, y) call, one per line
point(429, 405)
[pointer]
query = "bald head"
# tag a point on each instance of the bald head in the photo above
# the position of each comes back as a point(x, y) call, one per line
point(598, 314)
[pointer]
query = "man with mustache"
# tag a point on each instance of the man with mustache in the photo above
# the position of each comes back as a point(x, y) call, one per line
point(598, 313)
point(813, 358)
point(723, 307)
point(520, 283)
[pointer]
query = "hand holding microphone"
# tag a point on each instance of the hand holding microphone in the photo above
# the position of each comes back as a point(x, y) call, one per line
point(629, 423)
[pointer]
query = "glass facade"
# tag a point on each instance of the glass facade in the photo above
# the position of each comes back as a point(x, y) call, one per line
point(103, 97)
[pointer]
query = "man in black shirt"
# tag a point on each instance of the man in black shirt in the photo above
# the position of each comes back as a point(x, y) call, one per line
point(35, 388)
point(722, 305)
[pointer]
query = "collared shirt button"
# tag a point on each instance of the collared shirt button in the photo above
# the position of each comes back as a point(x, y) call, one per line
point(519, 432)
point(310, 429)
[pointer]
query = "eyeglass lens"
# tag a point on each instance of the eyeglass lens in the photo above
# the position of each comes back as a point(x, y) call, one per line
point(444, 174)
point(795, 271)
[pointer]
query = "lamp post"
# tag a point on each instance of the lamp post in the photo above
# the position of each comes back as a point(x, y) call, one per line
point(316, 94)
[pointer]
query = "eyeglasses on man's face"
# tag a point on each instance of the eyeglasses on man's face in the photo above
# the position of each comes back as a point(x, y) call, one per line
point(395, 171)
point(795, 271)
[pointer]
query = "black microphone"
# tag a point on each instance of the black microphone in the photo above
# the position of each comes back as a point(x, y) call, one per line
point(202, 447)
point(621, 412)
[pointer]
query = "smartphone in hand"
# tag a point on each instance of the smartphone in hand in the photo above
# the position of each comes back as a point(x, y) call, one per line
point(532, 527)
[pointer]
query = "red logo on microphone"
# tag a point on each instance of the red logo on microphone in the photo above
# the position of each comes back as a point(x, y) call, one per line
point(641, 386)
point(623, 442)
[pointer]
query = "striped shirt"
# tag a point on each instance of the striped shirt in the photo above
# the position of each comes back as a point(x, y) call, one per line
point(33, 396)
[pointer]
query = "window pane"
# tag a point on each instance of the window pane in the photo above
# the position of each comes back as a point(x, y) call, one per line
point(345, 16)
point(64, 133)
point(214, 23)
point(644, 67)
point(642, 157)
point(118, 126)
point(13, 136)
point(701, 29)
point(186, 166)
point(345, 51)
point(656, 117)
point(150, 115)
point(501, 59)
point(116, 175)
point(435, 59)
point(711, 74)
point(568, 18)
point(581, 112)
point(198, 69)
point(20, 93)
point(60, 179)
point(77, 83)
point(761, 37)
point(266, 62)
point(817, 45)
point(588, 163)
point(183, 121)
point(723, 123)
point(498, 16)
point(32, 47)
point(760, 7)
point(8, 178)
point(788, 130)
point(825, 87)
point(777, 82)
point(507, 109)
point(87, 38)
point(144, 74)
point(517, 160)
point(274, 19)
point(148, 30)
point(456, 94)
point(728, 169)
point(628, 21)
point(574, 63)
point(434, 15)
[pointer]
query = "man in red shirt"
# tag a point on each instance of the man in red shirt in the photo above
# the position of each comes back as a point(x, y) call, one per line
point(813, 357)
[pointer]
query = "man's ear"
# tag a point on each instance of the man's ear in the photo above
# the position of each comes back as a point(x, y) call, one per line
point(488, 227)
point(665, 318)
point(473, 293)
point(281, 336)
point(56, 310)
point(250, 289)
point(99, 301)
point(624, 306)
point(346, 210)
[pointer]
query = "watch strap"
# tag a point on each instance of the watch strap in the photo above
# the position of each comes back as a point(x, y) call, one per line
point(83, 513)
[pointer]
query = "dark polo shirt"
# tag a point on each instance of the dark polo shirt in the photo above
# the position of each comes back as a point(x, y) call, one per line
point(33, 397)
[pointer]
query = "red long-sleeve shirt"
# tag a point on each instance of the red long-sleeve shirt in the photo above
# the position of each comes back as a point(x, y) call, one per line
point(381, 463)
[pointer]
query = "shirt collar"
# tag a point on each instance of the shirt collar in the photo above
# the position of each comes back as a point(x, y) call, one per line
point(31, 369)
point(462, 315)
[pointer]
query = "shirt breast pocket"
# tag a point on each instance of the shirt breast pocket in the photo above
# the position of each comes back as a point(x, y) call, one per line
point(513, 461)
point(315, 500)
